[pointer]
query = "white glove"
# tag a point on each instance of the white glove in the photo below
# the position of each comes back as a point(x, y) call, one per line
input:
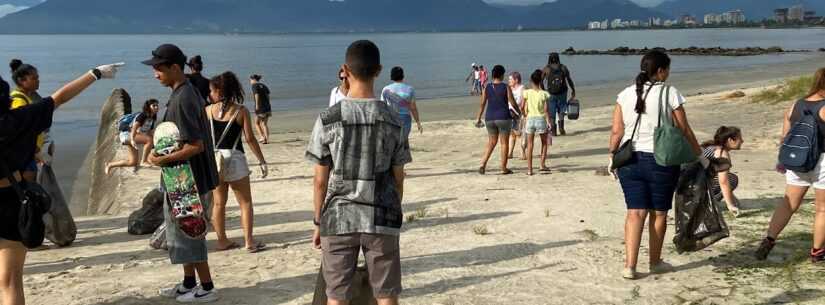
point(610, 168)
point(108, 71)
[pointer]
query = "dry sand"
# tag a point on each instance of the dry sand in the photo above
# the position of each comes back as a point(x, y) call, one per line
point(551, 239)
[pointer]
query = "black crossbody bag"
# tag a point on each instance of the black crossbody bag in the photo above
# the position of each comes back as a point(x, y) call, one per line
point(624, 154)
point(34, 202)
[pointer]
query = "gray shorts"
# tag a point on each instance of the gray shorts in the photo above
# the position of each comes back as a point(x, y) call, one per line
point(499, 127)
point(235, 165)
point(184, 250)
point(340, 257)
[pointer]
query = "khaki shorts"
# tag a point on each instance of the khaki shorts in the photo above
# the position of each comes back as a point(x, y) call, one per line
point(340, 258)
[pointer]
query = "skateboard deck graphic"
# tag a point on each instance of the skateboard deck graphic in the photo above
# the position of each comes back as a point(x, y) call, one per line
point(179, 184)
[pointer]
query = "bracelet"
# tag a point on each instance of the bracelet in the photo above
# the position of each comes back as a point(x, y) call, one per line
point(96, 73)
point(316, 222)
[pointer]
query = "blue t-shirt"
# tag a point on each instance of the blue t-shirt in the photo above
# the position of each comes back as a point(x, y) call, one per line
point(399, 96)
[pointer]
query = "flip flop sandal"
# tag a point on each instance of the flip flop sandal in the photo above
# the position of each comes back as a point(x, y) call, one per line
point(257, 248)
point(481, 170)
point(507, 172)
point(231, 246)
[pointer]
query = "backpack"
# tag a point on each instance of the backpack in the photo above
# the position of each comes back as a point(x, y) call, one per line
point(125, 122)
point(800, 149)
point(555, 80)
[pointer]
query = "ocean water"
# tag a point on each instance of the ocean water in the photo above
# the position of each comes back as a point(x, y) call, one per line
point(301, 69)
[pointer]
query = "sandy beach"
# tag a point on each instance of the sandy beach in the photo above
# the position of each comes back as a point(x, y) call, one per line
point(468, 238)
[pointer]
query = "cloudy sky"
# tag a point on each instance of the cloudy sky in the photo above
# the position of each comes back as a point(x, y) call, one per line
point(640, 2)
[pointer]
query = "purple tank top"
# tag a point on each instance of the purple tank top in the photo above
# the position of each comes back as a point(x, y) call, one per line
point(497, 102)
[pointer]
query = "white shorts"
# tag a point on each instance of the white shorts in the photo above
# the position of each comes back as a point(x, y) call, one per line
point(124, 137)
point(235, 165)
point(815, 177)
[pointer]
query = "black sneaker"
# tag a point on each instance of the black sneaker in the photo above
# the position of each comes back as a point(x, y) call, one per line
point(817, 255)
point(764, 249)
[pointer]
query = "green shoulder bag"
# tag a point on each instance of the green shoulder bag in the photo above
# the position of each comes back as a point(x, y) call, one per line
point(671, 147)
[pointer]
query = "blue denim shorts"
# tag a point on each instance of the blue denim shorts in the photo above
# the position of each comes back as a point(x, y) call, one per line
point(647, 185)
point(558, 106)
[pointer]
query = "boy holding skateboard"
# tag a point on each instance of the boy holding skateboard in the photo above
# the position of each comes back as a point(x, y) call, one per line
point(359, 158)
point(186, 111)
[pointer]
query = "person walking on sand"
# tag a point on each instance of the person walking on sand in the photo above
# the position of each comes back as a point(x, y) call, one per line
point(535, 110)
point(357, 176)
point(798, 183)
point(514, 82)
point(139, 133)
point(263, 109)
point(27, 80)
point(20, 128)
point(482, 77)
point(187, 110)
point(196, 77)
point(648, 187)
point(726, 139)
point(339, 93)
point(557, 80)
point(229, 121)
point(496, 99)
point(401, 96)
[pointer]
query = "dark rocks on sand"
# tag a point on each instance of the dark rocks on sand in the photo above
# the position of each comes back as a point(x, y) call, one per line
point(821, 49)
point(735, 94)
point(690, 51)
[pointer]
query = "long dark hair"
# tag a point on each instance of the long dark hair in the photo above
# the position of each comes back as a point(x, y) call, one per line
point(147, 108)
point(230, 89)
point(553, 59)
point(819, 82)
point(652, 62)
point(536, 77)
point(723, 134)
point(20, 71)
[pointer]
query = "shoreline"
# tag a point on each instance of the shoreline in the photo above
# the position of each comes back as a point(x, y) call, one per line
point(466, 107)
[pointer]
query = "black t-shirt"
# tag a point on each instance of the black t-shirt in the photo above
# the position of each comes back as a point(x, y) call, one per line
point(19, 129)
point(263, 93)
point(201, 83)
point(188, 111)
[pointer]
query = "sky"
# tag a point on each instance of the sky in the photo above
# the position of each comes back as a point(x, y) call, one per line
point(646, 3)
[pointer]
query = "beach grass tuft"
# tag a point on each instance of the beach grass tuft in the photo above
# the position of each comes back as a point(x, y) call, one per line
point(791, 89)
point(480, 230)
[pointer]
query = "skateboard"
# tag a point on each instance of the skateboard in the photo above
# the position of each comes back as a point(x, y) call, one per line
point(179, 184)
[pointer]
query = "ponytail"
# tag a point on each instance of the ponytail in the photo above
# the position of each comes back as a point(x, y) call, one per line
point(722, 135)
point(230, 89)
point(653, 61)
point(641, 80)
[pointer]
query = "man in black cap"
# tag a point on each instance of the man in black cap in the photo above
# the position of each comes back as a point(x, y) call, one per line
point(196, 78)
point(186, 108)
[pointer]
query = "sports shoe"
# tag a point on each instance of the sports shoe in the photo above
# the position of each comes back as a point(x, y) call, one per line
point(764, 249)
point(661, 267)
point(198, 295)
point(817, 255)
point(174, 292)
point(629, 273)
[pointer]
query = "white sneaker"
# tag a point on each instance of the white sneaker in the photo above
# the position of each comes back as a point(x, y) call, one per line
point(198, 295)
point(629, 273)
point(174, 292)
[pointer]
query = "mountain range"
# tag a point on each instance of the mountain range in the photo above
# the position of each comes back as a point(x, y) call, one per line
point(267, 16)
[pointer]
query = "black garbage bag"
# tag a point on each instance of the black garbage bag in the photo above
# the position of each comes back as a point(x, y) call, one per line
point(699, 222)
point(60, 226)
point(149, 217)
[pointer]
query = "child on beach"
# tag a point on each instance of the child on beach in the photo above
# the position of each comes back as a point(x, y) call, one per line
point(647, 186)
point(514, 81)
point(263, 108)
point(535, 109)
point(726, 139)
point(20, 128)
point(229, 121)
point(360, 138)
point(798, 183)
point(187, 109)
point(139, 133)
point(496, 100)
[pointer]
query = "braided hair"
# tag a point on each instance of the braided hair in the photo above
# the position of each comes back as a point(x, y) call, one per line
point(652, 62)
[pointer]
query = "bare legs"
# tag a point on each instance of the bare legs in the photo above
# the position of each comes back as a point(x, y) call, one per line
point(133, 160)
point(786, 209)
point(514, 141)
point(12, 259)
point(243, 195)
point(634, 225)
point(202, 270)
point(262, 124)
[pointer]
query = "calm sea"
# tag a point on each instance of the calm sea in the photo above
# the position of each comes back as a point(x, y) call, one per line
point(301, 69)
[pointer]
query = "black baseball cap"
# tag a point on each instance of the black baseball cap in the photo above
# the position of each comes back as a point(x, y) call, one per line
point(166, 54)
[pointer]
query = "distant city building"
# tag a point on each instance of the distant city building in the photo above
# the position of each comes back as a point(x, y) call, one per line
point(712, 19)
point(655, 21)
point(605, 24)
point(811, 17)
point(796, 13)
point(594, 25)
point(617, 23)
point(780, 15)
point(687, 20)
point(635, 23)
point(669, 23)
point(733, 17)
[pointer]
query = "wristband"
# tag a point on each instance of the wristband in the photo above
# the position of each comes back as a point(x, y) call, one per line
point(316, 223)
point(97, 74)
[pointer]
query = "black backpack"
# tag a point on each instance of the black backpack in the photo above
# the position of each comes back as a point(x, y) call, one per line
point(555, 81)
point(800, 149)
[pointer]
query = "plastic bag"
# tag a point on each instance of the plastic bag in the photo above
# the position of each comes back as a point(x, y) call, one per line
point(60, 226)
point(149, 217)
point(699, 222)
point(158, 239)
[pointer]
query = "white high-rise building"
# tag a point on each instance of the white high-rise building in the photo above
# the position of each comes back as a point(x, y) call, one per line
point(796, 13)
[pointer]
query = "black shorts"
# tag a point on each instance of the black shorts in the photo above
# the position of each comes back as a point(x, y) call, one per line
point(9, 213)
